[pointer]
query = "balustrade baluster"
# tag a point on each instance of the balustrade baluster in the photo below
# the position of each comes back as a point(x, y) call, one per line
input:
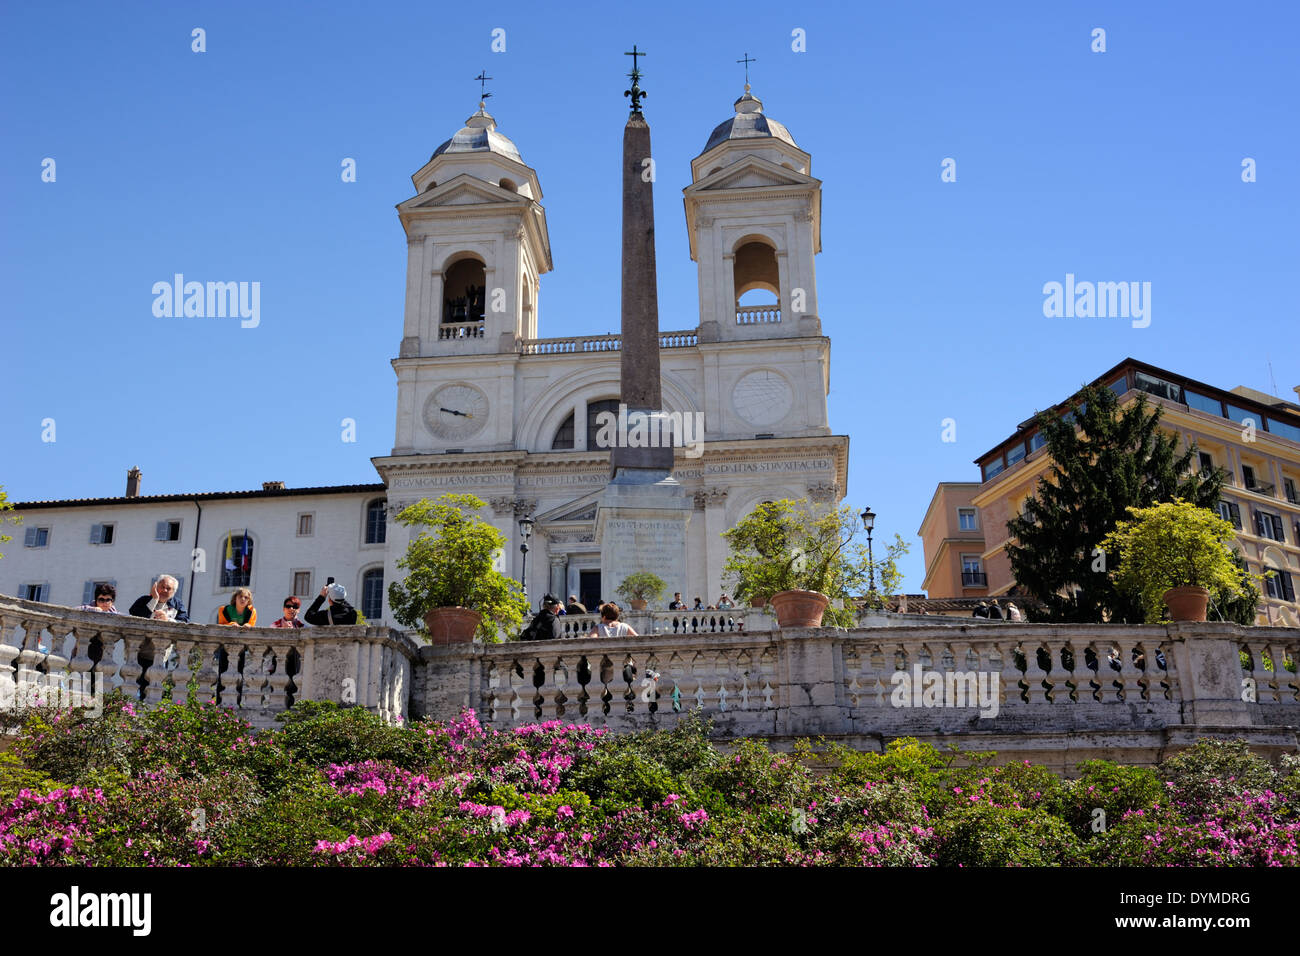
point(278, 680)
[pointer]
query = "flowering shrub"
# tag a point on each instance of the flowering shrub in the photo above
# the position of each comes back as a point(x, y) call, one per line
point(191, 784)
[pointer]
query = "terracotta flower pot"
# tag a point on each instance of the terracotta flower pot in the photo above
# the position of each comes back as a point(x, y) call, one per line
point(758, 602)
point(1187, 603)
point(638, 604)
point(799, 608)
point(452, 625)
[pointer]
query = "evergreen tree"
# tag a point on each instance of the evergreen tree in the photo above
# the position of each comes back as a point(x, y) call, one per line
point(1103, 461)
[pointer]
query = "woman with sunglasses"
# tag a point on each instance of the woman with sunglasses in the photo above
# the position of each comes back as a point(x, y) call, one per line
point(105, 598)
point(290, 619)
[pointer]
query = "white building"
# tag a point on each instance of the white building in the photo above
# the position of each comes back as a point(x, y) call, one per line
point(487, 405)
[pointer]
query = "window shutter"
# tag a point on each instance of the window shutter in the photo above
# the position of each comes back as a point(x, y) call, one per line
point(1288, 591)
point(160, 531)
point(1236, 515)
point(88, 592)
point(96, 534)
point(1278, 535)
point(29, 539)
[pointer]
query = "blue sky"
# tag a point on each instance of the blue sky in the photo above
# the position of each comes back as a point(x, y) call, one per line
point(1117, 166)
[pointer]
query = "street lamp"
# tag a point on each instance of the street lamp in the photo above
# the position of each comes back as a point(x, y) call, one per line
point(525, 532)
point(869, 521)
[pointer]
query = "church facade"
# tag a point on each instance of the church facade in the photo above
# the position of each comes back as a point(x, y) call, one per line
point(489, 404)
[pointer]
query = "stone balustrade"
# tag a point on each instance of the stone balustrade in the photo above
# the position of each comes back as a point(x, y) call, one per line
point(754, 314)
point(647, 623)
point(257, 672)
point(460, 330)
point(1055, 694)
point(600, 343)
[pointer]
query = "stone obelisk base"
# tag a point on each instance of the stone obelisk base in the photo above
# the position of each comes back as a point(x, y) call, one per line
point(641, 526)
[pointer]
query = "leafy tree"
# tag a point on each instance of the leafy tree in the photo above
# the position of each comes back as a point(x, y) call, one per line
point(1170, 545)
point(1104, 461)
point(787, 544)
point(1240, 607)
point(6, 505)
point(455, 567)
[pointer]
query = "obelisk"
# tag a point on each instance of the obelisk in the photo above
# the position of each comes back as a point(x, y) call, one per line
point(642, 516)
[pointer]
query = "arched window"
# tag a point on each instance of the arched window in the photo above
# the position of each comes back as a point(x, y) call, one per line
point(464, 293)
point(236, 561)
point(564, 435)
point(593, 410)
point(376, 521)
point(563, 440)
point(372, 594)
point(756, 272)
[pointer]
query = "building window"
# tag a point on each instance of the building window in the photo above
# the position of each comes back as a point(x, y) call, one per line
point(1014, 454)
point(1207, 463)
point(1158, 387)
point(563, 440)
point(966, 519)
point(972, 572)
point(994, 467)
point(376, 522)
point(1241, 416)
point(1282, 428)
point(464, 292)
point(1269, 526)
point(1278, 584)
point(593, 413)
point(88, 591)
point(305, 525)
point(1230, 511)
point(1203, 403)
point(1037, 441)
point(101, 534)
point(35, 592)
point(36, 538)
point(167, 531)
point(237, 561)
point(302, 583)
point(1288, 485)
point(372, 594)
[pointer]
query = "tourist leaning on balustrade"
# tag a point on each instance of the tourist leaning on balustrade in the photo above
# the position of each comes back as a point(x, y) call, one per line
point(160, 603)
point(240, 611)
point(105, 600)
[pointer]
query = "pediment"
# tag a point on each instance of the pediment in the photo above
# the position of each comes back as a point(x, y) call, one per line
point(749, 173)
point(465, 190)
point(578, 510)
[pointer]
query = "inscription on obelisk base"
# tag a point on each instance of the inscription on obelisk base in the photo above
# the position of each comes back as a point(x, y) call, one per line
point(641, 526)
point(642, 516)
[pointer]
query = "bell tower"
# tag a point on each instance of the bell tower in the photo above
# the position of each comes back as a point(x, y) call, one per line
point(477, 246)
point(753, 215)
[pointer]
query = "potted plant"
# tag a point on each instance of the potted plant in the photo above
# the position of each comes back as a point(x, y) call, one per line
point(800, 560)
point(451, 591)
point(641, 586)
point(1174, 554)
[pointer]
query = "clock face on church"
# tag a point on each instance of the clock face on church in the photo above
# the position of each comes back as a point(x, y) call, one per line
point(456, 411)
point(762, 397)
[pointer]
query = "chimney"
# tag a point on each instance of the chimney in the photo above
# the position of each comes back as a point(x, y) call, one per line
point(133, 483)
point(273, 486)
